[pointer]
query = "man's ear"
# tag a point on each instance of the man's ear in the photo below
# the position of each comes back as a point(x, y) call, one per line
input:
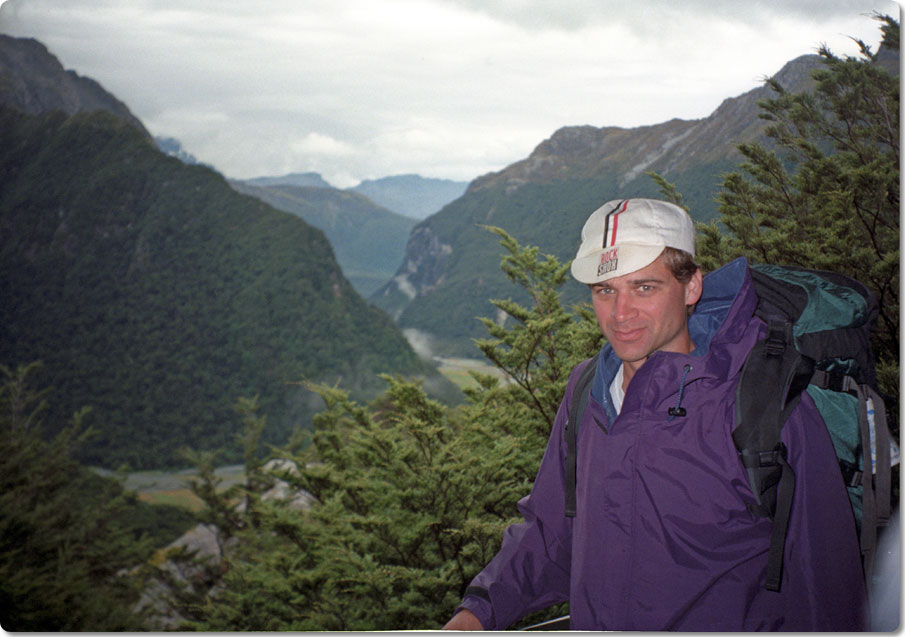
point(694, 288)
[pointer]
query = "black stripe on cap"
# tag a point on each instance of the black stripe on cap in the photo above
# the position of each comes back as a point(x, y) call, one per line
point(606, 223)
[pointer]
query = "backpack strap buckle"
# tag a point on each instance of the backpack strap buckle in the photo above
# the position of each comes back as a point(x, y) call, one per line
point(776, 339)
point(850, 473)
point(761, 459)
point(835, 381)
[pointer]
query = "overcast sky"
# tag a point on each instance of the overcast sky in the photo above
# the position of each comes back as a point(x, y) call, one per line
point(361, 89)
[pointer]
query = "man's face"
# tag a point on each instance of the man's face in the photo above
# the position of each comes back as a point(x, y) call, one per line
point(644, 312)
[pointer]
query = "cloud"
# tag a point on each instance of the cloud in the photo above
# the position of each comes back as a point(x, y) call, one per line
point(317, 144)
point(357, 89)
point(577, 15)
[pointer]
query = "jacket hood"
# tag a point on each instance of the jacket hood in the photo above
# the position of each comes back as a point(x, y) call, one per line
point(720, 320)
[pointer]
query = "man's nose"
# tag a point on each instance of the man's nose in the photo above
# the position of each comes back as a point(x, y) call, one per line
point(623, 307)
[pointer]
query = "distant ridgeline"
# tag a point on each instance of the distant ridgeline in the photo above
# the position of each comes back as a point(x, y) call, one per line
point(157, 295)
point(412, 195)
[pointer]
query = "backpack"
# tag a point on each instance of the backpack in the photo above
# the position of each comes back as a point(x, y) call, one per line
point(818, 340)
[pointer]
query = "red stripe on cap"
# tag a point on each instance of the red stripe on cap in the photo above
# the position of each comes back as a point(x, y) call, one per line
point(616, 221)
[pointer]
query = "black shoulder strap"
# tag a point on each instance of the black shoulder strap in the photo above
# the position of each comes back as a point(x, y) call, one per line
point(769, 388)
point(580, 396)
point(875, 489)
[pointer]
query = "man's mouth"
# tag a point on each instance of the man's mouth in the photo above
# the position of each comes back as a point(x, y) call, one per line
point(628, 335)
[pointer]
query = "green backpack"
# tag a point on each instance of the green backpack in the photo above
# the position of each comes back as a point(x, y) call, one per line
point(818, 340)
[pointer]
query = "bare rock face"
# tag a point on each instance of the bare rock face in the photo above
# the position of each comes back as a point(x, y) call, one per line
point(194, 562)
point(423, 269)
point(191, 563)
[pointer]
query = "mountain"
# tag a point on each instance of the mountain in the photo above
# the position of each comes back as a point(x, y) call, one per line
point(301, 180)
point(451, 266)
point(33, 81)
point(368, 225)
point(369, 240)
point(157, 295)
point(411, 195)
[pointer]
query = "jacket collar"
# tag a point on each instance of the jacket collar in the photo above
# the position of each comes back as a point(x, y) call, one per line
point(720, 319)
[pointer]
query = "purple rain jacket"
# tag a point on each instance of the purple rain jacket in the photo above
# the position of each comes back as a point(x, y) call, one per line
point(662, 539)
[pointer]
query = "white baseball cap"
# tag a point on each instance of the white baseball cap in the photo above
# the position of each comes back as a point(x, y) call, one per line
point(625, 235)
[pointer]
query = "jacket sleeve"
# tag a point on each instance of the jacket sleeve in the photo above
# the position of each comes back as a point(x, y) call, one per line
point(822, 553)
point(531, 570)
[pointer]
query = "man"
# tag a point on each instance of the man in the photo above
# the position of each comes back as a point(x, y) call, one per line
point(662, 538)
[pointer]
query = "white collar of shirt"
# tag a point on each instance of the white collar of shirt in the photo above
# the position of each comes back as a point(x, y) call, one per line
point(616, 391)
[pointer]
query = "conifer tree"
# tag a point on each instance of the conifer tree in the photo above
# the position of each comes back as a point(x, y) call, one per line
point(537, 346)
point(67, 562)
point(826, 194)
point(411, 497)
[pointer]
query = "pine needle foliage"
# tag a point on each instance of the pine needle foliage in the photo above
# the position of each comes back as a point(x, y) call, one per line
point(537, 345)
point(411, 496)
point(67, 555)
point(826, 195)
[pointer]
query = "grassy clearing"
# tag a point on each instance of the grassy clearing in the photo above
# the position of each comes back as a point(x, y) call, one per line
point(182, 498)
point(172, 487)
point(456, 370)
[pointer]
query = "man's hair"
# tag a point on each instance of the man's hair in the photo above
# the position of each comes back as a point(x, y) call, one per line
point(680, 263)
point(683, 266)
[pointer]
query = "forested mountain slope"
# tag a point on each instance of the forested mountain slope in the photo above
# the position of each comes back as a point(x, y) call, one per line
point(157, 295)
point(369, 240)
